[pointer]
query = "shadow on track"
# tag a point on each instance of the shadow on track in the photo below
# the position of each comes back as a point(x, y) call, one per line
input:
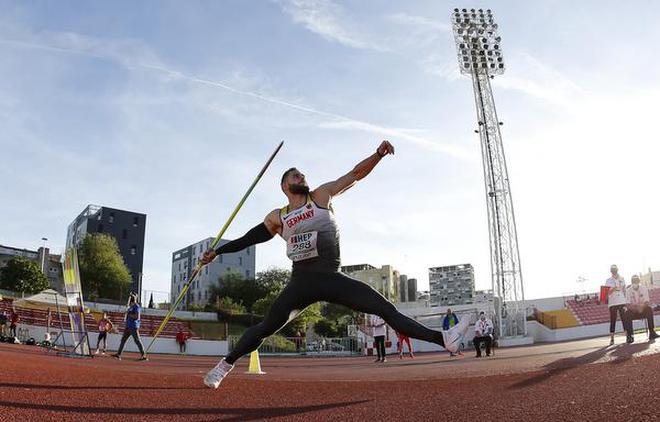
point(230, 414)
point(561, 365)
point(92, 387)
point(623, 354)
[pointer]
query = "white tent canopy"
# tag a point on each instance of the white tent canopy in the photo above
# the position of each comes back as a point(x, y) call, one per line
point(48, 297)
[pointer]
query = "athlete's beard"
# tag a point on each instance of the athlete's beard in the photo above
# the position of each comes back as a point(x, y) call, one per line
point(299, 189)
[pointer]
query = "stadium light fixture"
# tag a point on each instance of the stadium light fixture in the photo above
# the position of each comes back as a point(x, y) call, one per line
point(476, 35)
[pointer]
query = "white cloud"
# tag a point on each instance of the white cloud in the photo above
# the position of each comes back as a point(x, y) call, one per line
point(528, 74)
point(419, 22)
point(142, 58)
point(325, 18)
point(398, 134)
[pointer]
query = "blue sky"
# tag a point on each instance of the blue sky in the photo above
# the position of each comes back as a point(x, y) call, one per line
point(170, 108)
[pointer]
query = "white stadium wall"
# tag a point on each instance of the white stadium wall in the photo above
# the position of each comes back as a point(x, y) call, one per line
point(162, 345)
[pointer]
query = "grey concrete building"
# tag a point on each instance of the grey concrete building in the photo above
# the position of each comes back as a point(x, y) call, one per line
point(412, 289)
point(403, 288)
point(50, 264)
point(384, 279)
point(184, 262)
point(451, 285)
point(127, 227)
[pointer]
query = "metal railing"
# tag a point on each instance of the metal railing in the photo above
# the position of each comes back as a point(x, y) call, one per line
point(339, 346)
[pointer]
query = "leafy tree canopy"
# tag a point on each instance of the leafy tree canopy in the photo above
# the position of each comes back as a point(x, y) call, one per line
point(103, 272)
point(23, 275)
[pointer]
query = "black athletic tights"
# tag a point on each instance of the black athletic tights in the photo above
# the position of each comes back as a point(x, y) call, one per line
point(307, 287)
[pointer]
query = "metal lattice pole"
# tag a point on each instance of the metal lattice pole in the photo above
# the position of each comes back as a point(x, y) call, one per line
point(480, 56)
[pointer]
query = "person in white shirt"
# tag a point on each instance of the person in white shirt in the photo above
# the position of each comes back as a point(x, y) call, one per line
point(379, 330)
point(639, 306)
point(616, 301)
point(483, 332)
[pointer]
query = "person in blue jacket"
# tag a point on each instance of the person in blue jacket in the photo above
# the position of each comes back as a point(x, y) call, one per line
point(449, 321)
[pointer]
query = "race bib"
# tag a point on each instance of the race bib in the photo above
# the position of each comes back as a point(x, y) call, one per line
point(302, 246)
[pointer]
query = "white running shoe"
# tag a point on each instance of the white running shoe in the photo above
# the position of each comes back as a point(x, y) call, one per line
point(454, 335)
point(215, 376)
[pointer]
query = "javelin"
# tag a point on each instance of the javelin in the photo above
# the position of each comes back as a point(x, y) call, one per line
point(193, 276)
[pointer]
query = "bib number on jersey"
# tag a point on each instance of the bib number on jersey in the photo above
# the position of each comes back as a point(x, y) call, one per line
point(302, 246)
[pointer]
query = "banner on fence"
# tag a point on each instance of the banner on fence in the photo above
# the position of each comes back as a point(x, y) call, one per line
point(74, 301)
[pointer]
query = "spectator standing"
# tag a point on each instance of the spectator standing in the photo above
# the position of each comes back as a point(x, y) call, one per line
point(3, 322)
point(132, 328)
point(402, 338)
point(379, 331)
point(483, 333)
point(105, 326)
point(181, 338)
point(616, 301)
point(13, 322)
point(639, 306)
point(449, 321)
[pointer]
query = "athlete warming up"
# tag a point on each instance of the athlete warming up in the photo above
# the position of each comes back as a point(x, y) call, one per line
point(308, 226)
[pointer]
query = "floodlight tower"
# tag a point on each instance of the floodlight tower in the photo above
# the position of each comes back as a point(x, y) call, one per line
point(480, 56)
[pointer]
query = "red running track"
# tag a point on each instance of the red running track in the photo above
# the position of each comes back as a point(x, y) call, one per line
point(583, 380)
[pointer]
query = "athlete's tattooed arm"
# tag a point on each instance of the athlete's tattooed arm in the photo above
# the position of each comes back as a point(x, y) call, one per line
point(325, 192)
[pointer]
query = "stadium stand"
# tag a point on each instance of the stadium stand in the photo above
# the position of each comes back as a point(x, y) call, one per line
point(149, 324)
point(591, 312)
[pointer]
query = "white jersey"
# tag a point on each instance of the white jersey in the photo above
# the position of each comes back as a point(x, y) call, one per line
point(311, 235)
point(638, 296)
point(617, 294)
point(378, 325)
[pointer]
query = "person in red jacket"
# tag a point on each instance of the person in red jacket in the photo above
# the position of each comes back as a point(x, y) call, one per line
point(13, 321)
point(401, 339)
point(181, 338)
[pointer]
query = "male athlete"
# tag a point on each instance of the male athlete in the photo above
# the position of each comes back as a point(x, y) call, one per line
point(308, 226)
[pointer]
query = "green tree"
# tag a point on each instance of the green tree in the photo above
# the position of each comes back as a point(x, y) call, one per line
point(335, 320)
point(239, 289)
point(328, 328)
point(273, 279)
point(305, 319)
point(262, 305)
point(228, 306)
point(103, 272)
point(23, 275)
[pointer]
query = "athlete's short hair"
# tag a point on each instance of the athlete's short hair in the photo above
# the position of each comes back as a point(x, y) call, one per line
point(286, 174)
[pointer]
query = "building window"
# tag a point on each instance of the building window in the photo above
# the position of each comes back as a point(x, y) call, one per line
point(247, 251)
point(135, 221)
point(228, 269)
point(194, 250)
point(179, 266)
point(247, 273)
point(240, 260)
point(220, 259)
point(111, 219)
point(133, 250)
point(206, 270)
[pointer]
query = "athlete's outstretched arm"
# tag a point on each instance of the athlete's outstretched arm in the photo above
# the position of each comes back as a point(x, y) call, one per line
point(360, 171)
point(260, 233)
